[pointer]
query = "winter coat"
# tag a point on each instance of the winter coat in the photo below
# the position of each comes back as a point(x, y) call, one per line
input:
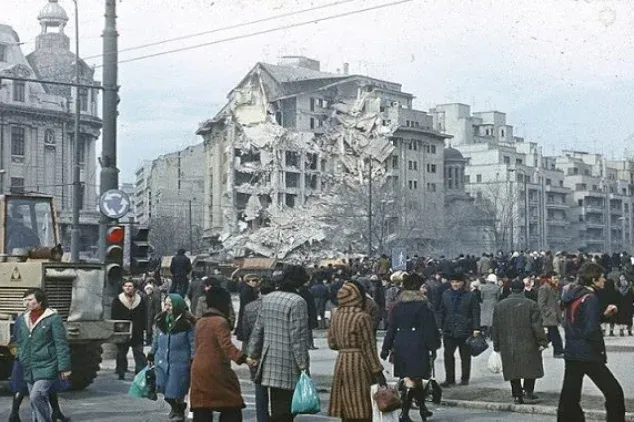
point(153, 307)
point(412, 336)
point(490, 295)
point(195, 292)
point(172, 352)
point(357, 363)
point(280, 340)
point(484, 265)
point(251, 312)
point(320, 293)
point(391, 292)
point(582, 324)
point(518, 333)
point(548, 302)
point(43, 349)
point(214, 385)
point(180, 267)
point(459, 323)
point(307, 295)
point(134, 311)
point(373, 310)
point(247, 295)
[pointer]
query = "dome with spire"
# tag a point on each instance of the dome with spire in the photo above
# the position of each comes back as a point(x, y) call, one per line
point(53, 14)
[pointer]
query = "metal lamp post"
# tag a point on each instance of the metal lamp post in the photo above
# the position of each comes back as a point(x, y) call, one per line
point(75, 233)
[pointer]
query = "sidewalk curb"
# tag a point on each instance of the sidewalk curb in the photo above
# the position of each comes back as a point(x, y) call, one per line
point(592, 414)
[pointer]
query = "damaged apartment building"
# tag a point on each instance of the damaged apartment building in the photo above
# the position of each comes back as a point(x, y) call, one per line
point(293, 141)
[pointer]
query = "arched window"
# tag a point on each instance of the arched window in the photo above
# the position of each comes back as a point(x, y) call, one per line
point(49, 137)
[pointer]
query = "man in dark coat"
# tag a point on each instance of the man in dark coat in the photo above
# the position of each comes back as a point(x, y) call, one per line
point(585, 349)
point(320, 293)
point(195, 292)
point(460, 319)
point(130, 306)
point(180, 267)
point(518, 335)
point(248, 293)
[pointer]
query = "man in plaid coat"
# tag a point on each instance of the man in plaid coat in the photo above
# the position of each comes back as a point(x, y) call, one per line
point(280, 342)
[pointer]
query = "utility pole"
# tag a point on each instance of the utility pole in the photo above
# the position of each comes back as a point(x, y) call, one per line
point(109, 173)
point(191, 236)
point(526, 209)
point(75, 233)
point(370, 207)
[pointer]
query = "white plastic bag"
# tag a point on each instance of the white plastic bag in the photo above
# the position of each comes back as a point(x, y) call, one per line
point(495, 362)
point(377, 415)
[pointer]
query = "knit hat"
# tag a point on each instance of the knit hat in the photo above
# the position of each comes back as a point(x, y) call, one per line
point(349, 296)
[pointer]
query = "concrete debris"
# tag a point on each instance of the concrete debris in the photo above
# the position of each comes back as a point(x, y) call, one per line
point(354, 133)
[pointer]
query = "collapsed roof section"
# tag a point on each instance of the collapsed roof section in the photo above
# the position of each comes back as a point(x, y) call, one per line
point(260, 152)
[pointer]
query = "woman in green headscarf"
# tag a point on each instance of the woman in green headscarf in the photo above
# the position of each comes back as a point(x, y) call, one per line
point(172, 353)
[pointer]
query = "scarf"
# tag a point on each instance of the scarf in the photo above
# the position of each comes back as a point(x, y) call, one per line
point(624, 287)
point(35, 314)
point(178, 307)
point(456, 297)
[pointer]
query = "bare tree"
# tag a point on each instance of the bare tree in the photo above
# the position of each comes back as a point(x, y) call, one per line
point(497, 203)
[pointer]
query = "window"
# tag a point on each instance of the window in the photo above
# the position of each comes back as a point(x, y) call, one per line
point(83, 99)
point(561, 183)
point(394, 161)
point(549, 182)
point(409, 165)
point(312, 123)
point(502, 132)
point(19, 91)
point(407, 123)
point(478, 178)
point(416, 124)
point(395, 141)
point(487, 133)
point(433, 168)
point(82, 151)
point(416, 165)
point(580, 202)
point(415, 144)
point(433, 149)
point(17, 185)
point(312, 104)
point(49, 137)
point(17, 141)
point(518, 161)
point(409, 184)
point(467, 179)
point(3, 53)
point(415, 184)
point(507, 159)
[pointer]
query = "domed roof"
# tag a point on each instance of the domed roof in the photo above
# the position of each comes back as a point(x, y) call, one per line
point(53, 13)
point(452, 154)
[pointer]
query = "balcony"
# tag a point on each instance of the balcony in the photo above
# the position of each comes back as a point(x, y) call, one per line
point(595, 224)
point(592, 208)
point(557, 205)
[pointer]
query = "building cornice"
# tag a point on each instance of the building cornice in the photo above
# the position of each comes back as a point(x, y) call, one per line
point(12, 109)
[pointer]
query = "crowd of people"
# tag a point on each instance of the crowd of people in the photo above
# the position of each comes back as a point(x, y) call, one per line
point(519, 301)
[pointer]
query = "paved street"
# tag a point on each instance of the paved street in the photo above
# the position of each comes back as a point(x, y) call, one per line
point(107, 400)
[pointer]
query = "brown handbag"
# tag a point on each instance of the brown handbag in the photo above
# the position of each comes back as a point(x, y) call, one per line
point(387, 399)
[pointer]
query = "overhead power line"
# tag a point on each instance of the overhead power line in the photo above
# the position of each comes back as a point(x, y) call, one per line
point(265, 31)
point(229, 27)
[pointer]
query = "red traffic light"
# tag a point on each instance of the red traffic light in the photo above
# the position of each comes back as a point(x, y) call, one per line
point(115, 234)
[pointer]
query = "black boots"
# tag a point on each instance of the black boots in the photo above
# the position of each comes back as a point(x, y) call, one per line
point(407, 399)
point(420, 397)
point(178, 410)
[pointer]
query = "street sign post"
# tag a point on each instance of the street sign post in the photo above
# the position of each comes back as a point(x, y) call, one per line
point(114, 204)
point(399, 259)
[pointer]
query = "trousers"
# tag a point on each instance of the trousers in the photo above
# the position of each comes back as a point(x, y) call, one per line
point(570, 397)
point(280, 405)
point(518, 390)
point(122, 358)
point(207, 415)
point(451, 344)
point(38, 400)
point(261, 403)
point(554, 336)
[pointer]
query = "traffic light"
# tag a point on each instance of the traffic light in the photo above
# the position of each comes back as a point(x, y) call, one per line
point(139, 250)
point(114, 254)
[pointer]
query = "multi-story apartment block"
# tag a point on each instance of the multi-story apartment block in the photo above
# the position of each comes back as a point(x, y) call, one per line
point(524, 189)
point(264, 146)
point(37, 122)
point(171, 186)
point(601, 201)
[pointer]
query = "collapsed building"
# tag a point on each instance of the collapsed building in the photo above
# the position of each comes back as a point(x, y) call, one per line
point(292, 155)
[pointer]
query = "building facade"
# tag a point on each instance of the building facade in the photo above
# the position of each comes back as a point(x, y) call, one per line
point(169, 197)
point(291, 132)
point(37, 123)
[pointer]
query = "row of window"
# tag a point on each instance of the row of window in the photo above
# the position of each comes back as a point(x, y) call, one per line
point(18, 142)
point(413, 184)
point(19, 95)
point(413, 165)
point(413, 145)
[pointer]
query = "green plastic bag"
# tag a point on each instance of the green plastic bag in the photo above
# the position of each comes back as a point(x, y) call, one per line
point(305, 398)
point(140, 388)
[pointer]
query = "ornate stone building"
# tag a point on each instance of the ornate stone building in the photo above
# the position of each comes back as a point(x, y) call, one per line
point(37, 122)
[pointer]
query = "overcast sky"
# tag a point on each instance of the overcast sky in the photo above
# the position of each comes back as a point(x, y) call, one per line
point(561, 69)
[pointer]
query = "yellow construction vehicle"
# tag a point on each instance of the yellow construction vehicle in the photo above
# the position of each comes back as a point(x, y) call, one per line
point(31, 256)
